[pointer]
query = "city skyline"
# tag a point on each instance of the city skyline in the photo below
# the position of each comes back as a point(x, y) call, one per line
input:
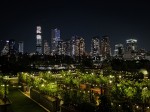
point(42, 43)
point(119, 20)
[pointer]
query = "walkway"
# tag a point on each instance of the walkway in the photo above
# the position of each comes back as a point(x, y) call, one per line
point(21, 103)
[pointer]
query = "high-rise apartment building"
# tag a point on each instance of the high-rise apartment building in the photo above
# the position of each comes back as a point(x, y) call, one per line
point(5, 50)
point(131, 45)
point(12, 49)
point(131, 50)
point(67, 48)
point(105, 49)
point(64, 48)
point(55, 38)
point(73, 45)
point(119, 50)
point(78, 46)
point(38, 40)
point(20, 45)
point(46, 48)
point(95, 47)
point(60, 47)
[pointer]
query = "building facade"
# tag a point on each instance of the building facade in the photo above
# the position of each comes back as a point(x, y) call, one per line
point(131, 45)
point(60, 48)
point(77, 46)
point(131, 50)
point(46, 48)
point(105, 49)
point(73, 45)
point(21, 47)
point(38, 40)
point(12, 49)
point(55, 38)
point(119, 50)
point(67, 48)
point(95, 47)
point(80, 46)
point(5, 49)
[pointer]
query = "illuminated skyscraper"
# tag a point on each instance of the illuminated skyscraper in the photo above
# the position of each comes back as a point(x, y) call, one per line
point(131, 50)
point(131, 45)
point(38, 40)
point(20, 50)
point(60, 48)
point(46, 48)
point(73, 45)
point(78, 46)
point(64, 48)
point(12, 49)
point(105, 49)
point(67, 48)
point(55, 38)
point(119, 50)
point(5, 50)
point(95, 46)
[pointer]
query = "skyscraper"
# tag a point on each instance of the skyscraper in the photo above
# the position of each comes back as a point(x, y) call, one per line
point(95, 47)
point(12, 49)
point(131, 45)
point(64, 48)
point(5, 50)
point(119, 50)
point(60, 47)
point(78, 46)
point(20, 50)
point(131, 49)
point(46, 48)
point(73, 45)
point(105, 49)
point(38, 40)
point(67, 48)
point(55, 38)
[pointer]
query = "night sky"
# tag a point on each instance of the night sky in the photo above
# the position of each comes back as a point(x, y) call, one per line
point(121, 20)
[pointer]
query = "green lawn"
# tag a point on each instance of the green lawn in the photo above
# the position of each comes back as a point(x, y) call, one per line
point(21, 103)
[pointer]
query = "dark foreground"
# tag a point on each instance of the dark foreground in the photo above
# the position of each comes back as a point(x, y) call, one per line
point(21, 103)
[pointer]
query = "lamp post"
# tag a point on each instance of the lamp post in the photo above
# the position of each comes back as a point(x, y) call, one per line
point(5, 79)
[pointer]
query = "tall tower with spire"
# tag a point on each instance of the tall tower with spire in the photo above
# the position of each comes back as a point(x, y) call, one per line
point(38, 40)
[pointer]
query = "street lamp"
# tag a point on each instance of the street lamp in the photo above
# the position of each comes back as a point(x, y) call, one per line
point(5, 79)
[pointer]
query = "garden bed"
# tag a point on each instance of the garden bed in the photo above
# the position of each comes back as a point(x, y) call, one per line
point(48, 102)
